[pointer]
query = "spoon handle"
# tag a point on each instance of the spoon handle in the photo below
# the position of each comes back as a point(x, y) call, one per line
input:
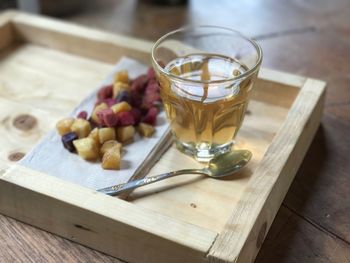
point(119, 188)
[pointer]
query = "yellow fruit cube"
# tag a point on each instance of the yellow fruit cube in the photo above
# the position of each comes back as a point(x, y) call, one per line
point(121, 106)
point(110, 146)
point(122, 76)
point(98, 108)
point(111, 160)
point(87, 148)
point(126, 133)
point(106, 134)
point(118, 87)
point(145, 129)
point(94, 135)
point(81, 127)
point(64, 126)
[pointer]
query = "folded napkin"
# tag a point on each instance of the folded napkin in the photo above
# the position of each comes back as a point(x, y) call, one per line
point(49, 156)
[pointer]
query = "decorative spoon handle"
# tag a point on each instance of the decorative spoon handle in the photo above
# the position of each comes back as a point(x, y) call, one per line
point(119, 188)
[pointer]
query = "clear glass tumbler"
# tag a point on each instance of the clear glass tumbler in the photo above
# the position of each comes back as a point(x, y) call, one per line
point(206, 74)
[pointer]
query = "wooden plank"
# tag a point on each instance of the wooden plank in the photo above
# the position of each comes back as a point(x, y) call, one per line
point(47, 78)
point(21, 127)
point(6, 29)
point(246, 229)
point(19, 243)
point(79, 40)
point(105, 223)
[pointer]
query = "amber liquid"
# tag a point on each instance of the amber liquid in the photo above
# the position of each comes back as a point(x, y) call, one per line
point(205, 116)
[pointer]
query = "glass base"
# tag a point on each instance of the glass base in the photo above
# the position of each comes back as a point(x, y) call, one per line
point(203, 152)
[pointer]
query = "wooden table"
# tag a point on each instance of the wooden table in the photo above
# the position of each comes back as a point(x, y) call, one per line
point(310, 38)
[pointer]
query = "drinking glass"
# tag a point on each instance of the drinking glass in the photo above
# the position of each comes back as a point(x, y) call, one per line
point(206, 74)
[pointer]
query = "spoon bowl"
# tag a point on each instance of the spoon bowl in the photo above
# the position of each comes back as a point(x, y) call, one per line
point(228, 163)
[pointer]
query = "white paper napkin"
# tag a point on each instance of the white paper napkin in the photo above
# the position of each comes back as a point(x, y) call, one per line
point(49, 155)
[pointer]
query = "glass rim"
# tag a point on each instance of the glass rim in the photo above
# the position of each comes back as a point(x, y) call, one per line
point(186, 28)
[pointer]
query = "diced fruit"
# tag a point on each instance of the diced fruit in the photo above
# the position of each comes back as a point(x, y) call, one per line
point(87, 148)
point(150, 100)
point(145, 129)
point(123, 96)
point(98, 108)
point(111, 160)
point(122, 76)
point(106, 134)
point(136, 98)
point(125, 118)
point(68, 139)
point(151, 74)
point(105, 92)
point(136, 113)
point(111, 145)
point(94, 135)
point(151, 116)
point(119, 87)
point(121, 106)
point(107, 118)
point(82, 115)
point(125, 134)
point(81, 127)
point(109, 102)
point(64, 126)
point(139, 83)
point(152, 88)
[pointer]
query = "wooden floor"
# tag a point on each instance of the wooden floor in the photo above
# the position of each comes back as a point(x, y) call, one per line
point(310, 38)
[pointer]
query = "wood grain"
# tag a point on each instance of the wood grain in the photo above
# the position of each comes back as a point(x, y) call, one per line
point(29, 244)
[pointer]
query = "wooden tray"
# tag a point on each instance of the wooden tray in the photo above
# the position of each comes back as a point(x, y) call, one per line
point(48, 66)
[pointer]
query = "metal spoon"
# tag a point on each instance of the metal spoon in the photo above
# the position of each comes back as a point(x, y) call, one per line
point(220, 166)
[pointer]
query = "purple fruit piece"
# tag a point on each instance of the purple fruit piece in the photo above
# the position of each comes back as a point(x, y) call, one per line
point(101, 119)
point(150, 100)
point(105, 92)
point(152, 88)
point(136, 99)
point(68, 139)
point(110, 102)
point(139, 84)
point(125, 118)
point(136, 113)
point(123, 96)
point(151, 116)
point(151, 74)
point(108, 118)
point(82, 115)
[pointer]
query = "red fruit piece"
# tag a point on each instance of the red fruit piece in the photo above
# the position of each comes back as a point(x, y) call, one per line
point(125, 118)
point(150, 100)
point(82, 115)
point(152, 87)
point(136, 113)
point(107, 118)
point(105, 92)
point(110, 102)
point(139, 84)
point(151, 116)
point(151, 74)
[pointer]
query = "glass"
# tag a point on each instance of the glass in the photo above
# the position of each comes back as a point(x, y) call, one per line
point(206, 74)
